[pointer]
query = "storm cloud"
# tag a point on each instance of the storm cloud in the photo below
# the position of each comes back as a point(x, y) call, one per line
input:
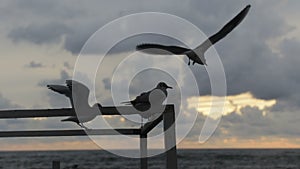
point(39, 34)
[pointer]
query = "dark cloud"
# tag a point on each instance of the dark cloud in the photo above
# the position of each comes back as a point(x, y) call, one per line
point(40, 33)
point(75, 41)
point(20, 12)
point(67, 65)
point(34, 64)
point(266, 74)
point(252, 124)
point(89, 19)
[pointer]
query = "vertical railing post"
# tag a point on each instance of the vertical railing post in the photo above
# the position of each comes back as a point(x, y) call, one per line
point(143, 151)
point(170, 137)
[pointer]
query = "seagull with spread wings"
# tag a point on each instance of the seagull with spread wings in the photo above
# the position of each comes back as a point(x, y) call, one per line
point(78, 95)
point(197, 54)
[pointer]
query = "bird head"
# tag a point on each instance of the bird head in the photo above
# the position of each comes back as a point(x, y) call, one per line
point(163, 85)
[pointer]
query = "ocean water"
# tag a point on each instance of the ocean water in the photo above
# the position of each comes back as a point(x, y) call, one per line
point(187, 159)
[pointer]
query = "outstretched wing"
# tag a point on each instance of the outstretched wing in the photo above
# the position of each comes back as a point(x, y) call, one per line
point(158, 49)
point(225, 30)
point(75, 85)
point(61, 90)
point(80, 93)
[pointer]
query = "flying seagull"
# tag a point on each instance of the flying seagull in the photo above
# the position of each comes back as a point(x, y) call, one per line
point(151, 99)
point(197, 54)
point(78, 95)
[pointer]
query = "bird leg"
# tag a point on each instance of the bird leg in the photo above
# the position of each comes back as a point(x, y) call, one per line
point(142, 121)
point(79, 124)
point(194, 62)
point(189, 63)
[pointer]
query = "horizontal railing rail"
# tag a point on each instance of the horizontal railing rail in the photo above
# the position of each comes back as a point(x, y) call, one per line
point(33, 113)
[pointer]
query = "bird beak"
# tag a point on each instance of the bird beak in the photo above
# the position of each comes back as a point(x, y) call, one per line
point(169, 87)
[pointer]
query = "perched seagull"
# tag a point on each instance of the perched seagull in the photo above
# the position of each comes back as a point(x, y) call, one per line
point(151, 99)
point(197, 54)
point(79, 101)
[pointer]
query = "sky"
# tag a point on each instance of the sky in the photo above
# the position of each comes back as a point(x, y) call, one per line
point(40, 42)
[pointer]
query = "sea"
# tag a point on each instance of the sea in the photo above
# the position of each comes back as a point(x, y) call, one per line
point(187, 159)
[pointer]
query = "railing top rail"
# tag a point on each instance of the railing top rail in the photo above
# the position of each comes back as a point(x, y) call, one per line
point(32, 113)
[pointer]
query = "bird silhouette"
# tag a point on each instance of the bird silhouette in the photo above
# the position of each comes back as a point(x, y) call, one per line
point(197, 54)
point(78, 95)
point(151, 99)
